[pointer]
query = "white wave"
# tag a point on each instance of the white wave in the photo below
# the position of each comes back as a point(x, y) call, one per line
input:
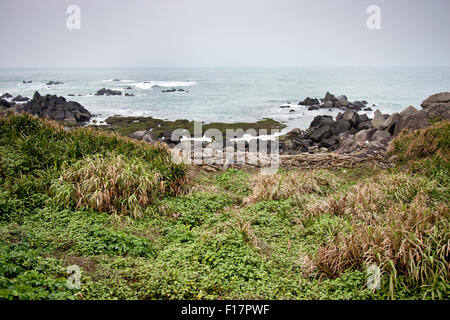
point(146, 85)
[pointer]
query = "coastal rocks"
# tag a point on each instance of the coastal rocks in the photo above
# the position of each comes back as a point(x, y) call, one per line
point(56, 108)
point(6, 96)
point(108, 92)
point(174, 90)
point(19, 98)
point(27, 81)
point(309, 102)
point(4, 103)
point(129, 94)
point(330, 101)
point(53, 83)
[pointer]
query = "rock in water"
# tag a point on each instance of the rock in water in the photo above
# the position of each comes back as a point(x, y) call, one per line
point(19, 98)
point(6, 96)
point(56, 108)
point(309, 102)
point(108, 92)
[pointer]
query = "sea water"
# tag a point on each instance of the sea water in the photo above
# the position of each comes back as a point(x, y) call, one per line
point(230, 94)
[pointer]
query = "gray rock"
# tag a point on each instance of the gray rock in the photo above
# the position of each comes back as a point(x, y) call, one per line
point(378, 119)
point(319, 121)
point(438, 98)
point(108, 92)
point(352, 117)
point(309, 102)
point(324, 132)
point(348, 146)
point(138, 134)
point(342, 126)
point(390, 123)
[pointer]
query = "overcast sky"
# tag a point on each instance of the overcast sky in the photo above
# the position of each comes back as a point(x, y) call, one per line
point(174, 33)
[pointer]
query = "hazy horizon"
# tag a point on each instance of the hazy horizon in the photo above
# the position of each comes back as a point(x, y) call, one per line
point(224, 34)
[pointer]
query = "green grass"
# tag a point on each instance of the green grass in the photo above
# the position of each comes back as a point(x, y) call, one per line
point(201, 238)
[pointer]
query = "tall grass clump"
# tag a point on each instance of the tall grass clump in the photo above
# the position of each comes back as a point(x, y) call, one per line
point(291, 184)
point(113, 184)
point(395, 223)
point(426, 151)
point(34, 149)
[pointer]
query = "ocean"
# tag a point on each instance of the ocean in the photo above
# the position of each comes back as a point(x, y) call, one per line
point(230, 94)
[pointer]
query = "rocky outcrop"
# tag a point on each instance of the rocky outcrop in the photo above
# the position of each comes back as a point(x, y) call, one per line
point(108, 92)
point(19, 98)
point(439, 99)
point(56, 108)
point(4, 103)
point(330, 101)
point(6, 96)
point(53, 83)
point(174, 90)
point(309, 102)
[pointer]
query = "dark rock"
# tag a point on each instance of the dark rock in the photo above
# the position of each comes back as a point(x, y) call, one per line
point(352, 117)
point(367, 109)
point(341, 126)
point(329, 97)
point(170, 90)
point(4, 103)
point(329, 142)
point(309, 102)
point(314, 107)
point(116, 80)
point(19, 98)
point(319, 121)
point(286, 106)
point(56, 108)
point(127, 88)
point(71, 95)
point(324, 132)
point(365, 125)
point(6, 96)
point(291, 110)
point(363, 117)
point(108, 92)
point(52, 83)
point(129, 94)
point(27, 81)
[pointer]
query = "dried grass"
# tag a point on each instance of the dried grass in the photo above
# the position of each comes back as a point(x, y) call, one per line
point(291, 185)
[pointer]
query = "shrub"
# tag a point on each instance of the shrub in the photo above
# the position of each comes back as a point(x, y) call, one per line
point(113, 184)
point(426, 150)
point(393, 223)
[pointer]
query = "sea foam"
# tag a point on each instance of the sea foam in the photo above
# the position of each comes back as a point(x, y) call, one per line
point(146, 85)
